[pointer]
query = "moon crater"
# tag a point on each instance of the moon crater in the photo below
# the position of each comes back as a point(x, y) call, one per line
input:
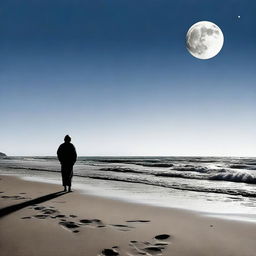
point(204, 40)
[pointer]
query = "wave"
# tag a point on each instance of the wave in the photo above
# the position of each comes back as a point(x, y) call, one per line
point(235, 177)
point(243, 166)
point(123, 160)
point(238, 166)
point(119, 170)
point(32, 169)
point(180, 175)
point(202, 161)
point(191, 168)
point(155, 164)
point(179, 186)
point(205, 174)
point(213, 174)
point(147, 180)
point(251, 163)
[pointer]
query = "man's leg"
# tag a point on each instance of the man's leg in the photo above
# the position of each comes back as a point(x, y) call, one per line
point(70, 178)
point(63, 175)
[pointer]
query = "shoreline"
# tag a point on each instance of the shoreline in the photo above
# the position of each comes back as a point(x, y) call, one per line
point(85, 189)
point(102, 223)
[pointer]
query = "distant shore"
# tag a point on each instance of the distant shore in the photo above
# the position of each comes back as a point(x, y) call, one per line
point(75, 224)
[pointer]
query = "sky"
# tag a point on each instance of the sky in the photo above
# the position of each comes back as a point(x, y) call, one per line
point(116, 76)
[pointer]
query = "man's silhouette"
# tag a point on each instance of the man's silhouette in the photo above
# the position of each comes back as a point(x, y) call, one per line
point(67, 157)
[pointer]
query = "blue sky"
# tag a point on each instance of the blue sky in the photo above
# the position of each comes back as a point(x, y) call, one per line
point(117, 77)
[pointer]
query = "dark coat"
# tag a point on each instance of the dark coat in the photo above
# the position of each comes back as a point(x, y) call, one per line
point(67, 157)
point(67, 153)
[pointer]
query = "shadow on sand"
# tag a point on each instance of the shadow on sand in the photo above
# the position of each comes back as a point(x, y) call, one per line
point(13, 208)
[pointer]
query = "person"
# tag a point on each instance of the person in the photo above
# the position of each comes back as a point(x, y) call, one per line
point(67, 157)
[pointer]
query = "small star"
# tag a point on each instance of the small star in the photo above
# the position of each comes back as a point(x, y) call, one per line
point(238, 16)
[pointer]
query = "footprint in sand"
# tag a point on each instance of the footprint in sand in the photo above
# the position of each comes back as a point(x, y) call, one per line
point(138, 221)
point(60, 216)
point(41, 216)
point(161, 244)
point(121, 227)
point(92, 223)
point(49, 211)
point(162, 237)
point(69, 224)
point(65, 221)
point(86, 221)
point(46, 211)
point(149, 248)
point(145, 248)
point(109, 252)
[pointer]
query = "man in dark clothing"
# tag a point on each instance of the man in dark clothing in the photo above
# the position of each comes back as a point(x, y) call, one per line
point(67, 157)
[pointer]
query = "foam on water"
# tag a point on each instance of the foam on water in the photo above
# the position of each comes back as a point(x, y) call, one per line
point(220, 185)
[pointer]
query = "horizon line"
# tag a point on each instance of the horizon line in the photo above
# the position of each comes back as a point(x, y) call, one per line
point(135, 156)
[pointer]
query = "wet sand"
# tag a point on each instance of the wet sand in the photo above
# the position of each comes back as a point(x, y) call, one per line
point(38, 219)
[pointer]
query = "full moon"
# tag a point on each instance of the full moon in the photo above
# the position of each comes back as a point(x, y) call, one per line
point(204, 40)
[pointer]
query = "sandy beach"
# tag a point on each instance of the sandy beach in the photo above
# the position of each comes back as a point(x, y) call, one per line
point(37, 220)
point(127, 128)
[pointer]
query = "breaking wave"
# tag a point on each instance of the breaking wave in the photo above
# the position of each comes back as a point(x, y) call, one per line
point(235, 177)
point(178, 186)
point(220, 175)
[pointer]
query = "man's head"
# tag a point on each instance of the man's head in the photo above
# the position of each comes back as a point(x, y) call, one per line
point(67, 139)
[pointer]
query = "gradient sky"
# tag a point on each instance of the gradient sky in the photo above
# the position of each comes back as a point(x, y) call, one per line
point(116, 76)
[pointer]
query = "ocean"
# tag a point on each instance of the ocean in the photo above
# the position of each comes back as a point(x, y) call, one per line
point(217, 186)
